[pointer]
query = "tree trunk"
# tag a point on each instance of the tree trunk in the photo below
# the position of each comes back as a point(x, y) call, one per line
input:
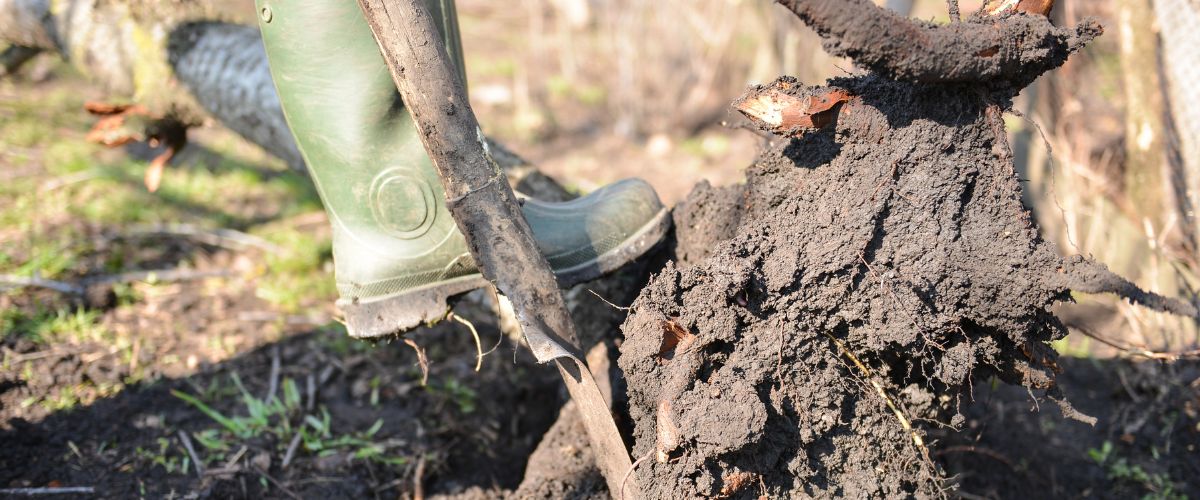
point(138, 50)
point(1144, 134)
point(1179, 22)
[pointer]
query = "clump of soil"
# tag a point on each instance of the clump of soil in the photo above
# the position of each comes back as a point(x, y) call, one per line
point(894, 238)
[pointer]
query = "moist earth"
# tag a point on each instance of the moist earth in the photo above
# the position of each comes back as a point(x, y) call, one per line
point(883, 261)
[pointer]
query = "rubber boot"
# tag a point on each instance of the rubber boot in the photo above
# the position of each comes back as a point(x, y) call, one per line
point(398, 255)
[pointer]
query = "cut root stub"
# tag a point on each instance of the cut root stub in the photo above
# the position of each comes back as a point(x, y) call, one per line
point(1040, 7)
point(788, 109)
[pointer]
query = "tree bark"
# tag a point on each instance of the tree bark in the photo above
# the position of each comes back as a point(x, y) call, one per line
point(485, 209)
point(1179, 24)
point(137, 50)
point(1144, 160)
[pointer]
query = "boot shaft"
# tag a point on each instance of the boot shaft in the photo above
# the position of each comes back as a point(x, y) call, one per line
point(378, 186)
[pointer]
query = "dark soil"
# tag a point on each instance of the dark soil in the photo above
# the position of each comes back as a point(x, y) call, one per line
point(895, 237)
point(464, 428)
point(1148, 418)
point(464, 434)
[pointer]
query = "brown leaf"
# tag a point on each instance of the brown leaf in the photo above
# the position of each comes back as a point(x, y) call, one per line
point(674, 337)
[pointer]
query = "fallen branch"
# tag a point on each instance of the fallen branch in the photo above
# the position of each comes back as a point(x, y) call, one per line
point(1012, 48)
point(485, 209)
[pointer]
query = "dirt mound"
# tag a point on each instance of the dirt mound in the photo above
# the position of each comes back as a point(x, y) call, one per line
point(881, 262)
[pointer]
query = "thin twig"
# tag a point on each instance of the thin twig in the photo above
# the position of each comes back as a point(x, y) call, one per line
point(276, 367)
point(160, 276)
point(614, 306)
point(310, 385)
point(277, 484)
point(1140, 351)
point(187, 445)
point(237, 456)
point(418, 479)
point(67, 180)
point(63, 490)
point(326, 374)
point(14, 357)
point(976, 449)
point(313, 319)
point(218, 237)
point(291, 451)
point(9, 281)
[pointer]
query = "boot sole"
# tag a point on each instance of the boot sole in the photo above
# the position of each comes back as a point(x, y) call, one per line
point(397, 313)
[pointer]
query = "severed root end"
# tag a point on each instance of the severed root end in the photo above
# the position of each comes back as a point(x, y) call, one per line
point(1039, 7)
point(1055, 394)
point(790, 109)
point(1087, 276)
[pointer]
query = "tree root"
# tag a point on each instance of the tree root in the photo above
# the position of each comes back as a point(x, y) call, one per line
point(1088, 276)
point(1012, 49)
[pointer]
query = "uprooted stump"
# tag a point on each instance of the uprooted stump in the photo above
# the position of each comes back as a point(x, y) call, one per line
point(882, 262)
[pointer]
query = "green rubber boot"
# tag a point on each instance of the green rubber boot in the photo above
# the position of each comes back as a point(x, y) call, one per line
point(398, 254)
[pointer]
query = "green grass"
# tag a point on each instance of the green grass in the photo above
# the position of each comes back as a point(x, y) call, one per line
point(55, 326)
point(82, 184)
point(463, 397)
point(280, 420)
point(1073, 346)
point(1158, 486)
point(65, 192)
